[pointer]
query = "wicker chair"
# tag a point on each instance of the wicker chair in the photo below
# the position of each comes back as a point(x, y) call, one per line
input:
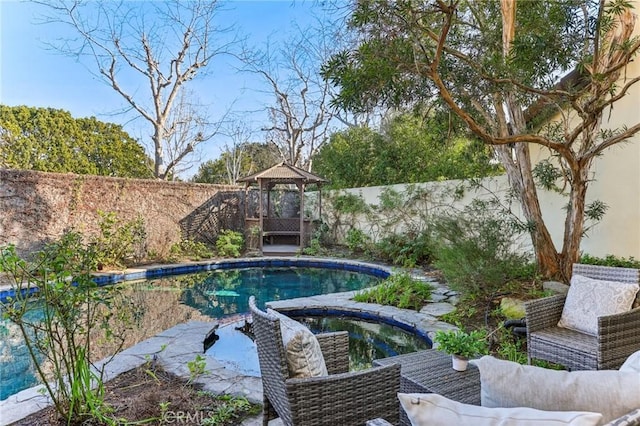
point(618, 335)
point(341, 398)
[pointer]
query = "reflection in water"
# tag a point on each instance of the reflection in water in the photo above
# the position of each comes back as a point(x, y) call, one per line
point(368, 340)
point(227, 292)
point(138, 311)
point(153, 306)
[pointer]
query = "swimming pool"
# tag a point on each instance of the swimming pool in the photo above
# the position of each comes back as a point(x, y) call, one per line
point(219, 290)
point(226, 292)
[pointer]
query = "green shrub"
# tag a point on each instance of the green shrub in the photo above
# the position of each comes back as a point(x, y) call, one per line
point(75, 312)
point(398, 290)
point(119, 242)
point(194, 250)
point(357, 240)
point(461, 343)
point(405, 250)
point(513, 351)
point(611, 260)
point(229, 243)
point(477, 253)
point(314, 249)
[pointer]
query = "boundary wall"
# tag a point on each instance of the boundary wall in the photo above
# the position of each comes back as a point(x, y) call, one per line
point(618, 233)
point(37, 207)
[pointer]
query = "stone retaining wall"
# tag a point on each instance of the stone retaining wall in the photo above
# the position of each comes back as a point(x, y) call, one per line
point(36, 207)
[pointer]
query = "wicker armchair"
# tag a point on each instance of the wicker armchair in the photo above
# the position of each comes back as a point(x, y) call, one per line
point(618, 335)
point(341, 398)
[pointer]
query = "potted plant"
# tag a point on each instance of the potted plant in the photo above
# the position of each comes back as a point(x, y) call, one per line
point(461, 346)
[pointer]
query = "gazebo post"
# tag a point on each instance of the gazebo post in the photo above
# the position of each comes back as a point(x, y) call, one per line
point(260, 211)
point(320, 202)
point(302, 230)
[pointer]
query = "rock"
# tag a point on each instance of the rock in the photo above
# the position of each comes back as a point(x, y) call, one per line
point(437, 309)
point(512, 308)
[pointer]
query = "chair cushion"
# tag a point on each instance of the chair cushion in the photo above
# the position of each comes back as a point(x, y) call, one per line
point(434, 410)
point(508, 384)
point(632, 364)
point(589, 299)
point(303, 352)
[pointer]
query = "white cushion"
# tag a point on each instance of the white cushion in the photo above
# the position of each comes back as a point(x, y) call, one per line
point(508, 384)
point(589, 299)
point(434, 410)
point(632, 364)
point(303, 352)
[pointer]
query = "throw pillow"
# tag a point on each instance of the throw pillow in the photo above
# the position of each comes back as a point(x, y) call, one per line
point(509, 384)
point(589, 299)
point(434, 410)
point(632, 364)
point(301, 347)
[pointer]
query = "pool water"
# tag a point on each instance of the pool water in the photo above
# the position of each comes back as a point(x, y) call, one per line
point(226, 292)
point(165, 302)
point(368, 341)
point(16, 368)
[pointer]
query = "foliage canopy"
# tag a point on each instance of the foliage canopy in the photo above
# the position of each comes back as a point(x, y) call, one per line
point(51, 140)
point(409, 149)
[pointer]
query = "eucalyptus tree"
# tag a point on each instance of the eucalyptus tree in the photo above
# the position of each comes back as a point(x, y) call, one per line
point(148, 52)
point(51, 140)
point(497, 66)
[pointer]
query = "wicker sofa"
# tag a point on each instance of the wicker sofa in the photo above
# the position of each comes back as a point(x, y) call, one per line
point(339, 398)
point(617, 337)
point(522, 394)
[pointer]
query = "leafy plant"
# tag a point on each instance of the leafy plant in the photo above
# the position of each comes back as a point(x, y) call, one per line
point(197, 368)
point(405, 250)
point(194, 250)
point(398, 290)
point(72, 307)
point(461, 343)
point(229, 243)
point(357, 240)
point(229, 409)
point(119, 241)
point(610, 260)
point(314, 249)
point(513, 351)
point(477, 252)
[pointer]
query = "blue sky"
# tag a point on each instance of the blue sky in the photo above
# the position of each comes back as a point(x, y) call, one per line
point(33, 75)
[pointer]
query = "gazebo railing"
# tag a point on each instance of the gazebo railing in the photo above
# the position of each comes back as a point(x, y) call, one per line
point(273, 227)
point(289, 224)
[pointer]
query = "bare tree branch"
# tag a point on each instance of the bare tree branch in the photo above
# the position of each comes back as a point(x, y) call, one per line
point(160, 45)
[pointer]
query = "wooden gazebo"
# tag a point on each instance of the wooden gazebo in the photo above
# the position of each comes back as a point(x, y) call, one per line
point(280, 235)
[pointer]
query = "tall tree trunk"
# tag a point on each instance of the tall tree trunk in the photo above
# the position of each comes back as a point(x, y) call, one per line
point(574, 220)
point(519, 168)
point(521, 180)
point(158, 167)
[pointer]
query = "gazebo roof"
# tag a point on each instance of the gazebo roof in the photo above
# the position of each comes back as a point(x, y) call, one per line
point(284, 172)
